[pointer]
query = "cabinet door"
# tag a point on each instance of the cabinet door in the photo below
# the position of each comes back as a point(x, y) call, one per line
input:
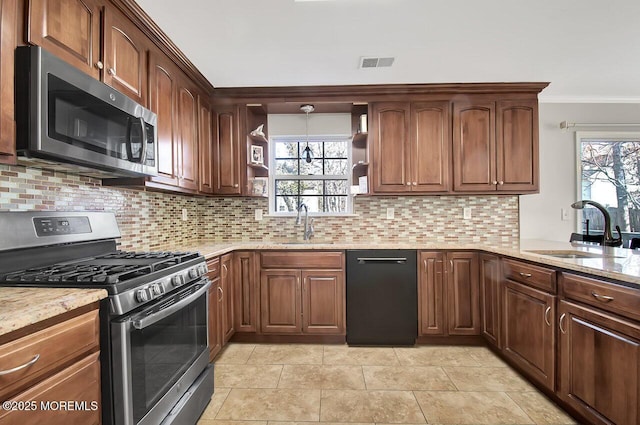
point(323, 302)
point(431, 301)
point(474, 156)
point(8, 42)
point(227, 153)
point(163, 87)
point(245, 292)
point(125, 56)
point(280, 308)
point(390, 147)
point(186, 125)
point(70, 29)
point(490, 299)
point(529, 334)
point(226, 283)
point(430, 146)
point(463, 310)
point(206, 129)
point(517, 145)
point(215, 309)
point(599, 365)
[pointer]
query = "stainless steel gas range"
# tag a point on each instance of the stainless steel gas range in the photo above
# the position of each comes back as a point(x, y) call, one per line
point(154, 349)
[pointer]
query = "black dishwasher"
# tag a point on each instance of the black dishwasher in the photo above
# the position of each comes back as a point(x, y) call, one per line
point(382, 297)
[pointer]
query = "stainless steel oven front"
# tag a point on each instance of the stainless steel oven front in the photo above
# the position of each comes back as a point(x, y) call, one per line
point(157, 355)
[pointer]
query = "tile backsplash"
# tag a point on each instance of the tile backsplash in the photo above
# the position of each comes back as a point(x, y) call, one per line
point(150, 220)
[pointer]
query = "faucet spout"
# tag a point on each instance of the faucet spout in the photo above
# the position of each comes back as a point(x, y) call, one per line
point(308, 228)
point(608, 240)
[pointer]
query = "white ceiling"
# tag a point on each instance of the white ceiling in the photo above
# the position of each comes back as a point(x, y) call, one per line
point(588, 49)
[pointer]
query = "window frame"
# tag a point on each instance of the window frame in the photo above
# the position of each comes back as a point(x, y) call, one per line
point(302, 139)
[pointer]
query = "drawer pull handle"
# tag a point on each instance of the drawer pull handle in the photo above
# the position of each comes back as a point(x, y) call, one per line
point(527, 275)
point(23, 366)
point(221, 291)
point(546, 316)
point(561, 319)
point(603, 298)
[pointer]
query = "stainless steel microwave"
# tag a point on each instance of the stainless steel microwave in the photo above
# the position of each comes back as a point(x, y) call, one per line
point(67, 120)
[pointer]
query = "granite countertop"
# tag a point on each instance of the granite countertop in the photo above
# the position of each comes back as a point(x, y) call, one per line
point(615, 263)
point(21, 307)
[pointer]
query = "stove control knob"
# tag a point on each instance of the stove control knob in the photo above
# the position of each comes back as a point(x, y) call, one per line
point(177, 280)
point(202, 270)
point(193, 273)
point(157, 289)
point(142, 295)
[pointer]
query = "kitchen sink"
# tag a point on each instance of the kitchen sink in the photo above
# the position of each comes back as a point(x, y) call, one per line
point(572, 254)
point(308, 243)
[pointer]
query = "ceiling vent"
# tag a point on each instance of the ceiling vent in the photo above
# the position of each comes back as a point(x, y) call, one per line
point(368, 62)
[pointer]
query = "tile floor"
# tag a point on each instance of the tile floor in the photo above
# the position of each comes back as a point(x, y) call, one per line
point(292, 384)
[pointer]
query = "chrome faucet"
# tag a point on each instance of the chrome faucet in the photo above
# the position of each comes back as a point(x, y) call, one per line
point(608, 239)
point(308, 224)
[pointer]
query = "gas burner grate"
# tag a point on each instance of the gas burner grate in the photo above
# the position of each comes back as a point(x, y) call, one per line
point(109, 274)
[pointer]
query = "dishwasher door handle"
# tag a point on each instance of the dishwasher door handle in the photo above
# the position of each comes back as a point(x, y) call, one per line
point(397, 260)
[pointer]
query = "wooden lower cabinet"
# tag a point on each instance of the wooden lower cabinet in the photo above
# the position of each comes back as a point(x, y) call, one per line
point(490, 299)
point(280, 301)
point(529, 338)
point(245, 291)
point(323, 302)
point(431, 301)
point(599, 365)
point(215, 319)
point(226, 284)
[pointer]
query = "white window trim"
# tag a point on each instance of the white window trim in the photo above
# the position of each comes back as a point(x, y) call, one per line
point(586, 135)
point(312, 138)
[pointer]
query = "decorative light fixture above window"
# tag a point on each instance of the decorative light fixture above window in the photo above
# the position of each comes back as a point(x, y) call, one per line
point(306, 153)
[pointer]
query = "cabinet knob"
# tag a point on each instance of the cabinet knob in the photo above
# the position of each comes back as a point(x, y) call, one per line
point(111, 71)
point(501, 182)
point(415, 183)
point(408, 183)
point(236, 185)
point(99, 65)
point(494, 182)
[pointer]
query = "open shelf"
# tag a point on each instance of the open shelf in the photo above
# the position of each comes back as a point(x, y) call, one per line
point(259, 139)
point(359, 140)
point(258, 166)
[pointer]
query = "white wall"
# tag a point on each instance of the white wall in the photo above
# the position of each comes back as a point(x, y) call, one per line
point(540, 213)
point(319, 124)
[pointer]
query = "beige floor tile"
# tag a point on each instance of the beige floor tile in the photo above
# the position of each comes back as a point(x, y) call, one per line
point(322, 377)
point(447, 407)
point(435, 356)
point(372, 356)
point(406, 378)
point(370, 406)
point(286, 354)
point(219, 396)
point(215, 422)
point(247, 376)
point(542, 410)
point(271, 405)
point(487, 379)
point(321, 423)
point(235, 353)
point(485, 357)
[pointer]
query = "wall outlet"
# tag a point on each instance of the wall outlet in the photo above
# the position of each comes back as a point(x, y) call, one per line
point(564, 214)
point(185, 215)
point(391, 213)
point(466, 213)
point(258, 214)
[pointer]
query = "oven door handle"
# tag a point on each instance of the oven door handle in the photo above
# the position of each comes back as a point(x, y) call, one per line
point(143, 322)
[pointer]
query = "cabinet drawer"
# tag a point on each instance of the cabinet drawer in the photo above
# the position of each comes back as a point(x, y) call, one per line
point(78, 384)
point(55, 346)
point(213, 268)
point(536, 276)
point(300, 259)
point(604, 295)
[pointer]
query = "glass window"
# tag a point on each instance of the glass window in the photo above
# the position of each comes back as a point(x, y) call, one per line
point(322, 184)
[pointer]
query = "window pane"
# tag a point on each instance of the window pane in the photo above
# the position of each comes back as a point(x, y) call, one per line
point(311, 187)
point(335, 203)
point(286, 203)
point(287, 187)
point(313, 203)
point(286, 167)
point(313, 168)
point(335, 167)
point(335, 149)
point(286, 149)
point(336, 187)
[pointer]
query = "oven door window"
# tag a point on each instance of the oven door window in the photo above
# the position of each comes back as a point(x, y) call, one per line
point(163, 351)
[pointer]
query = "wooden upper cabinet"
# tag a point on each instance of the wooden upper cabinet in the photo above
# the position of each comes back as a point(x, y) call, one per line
point(227, 178)
point(163, 88)
point(430, 146)
point(8, 42)
point(207, 127)
point(474, 158)
point(187, 127)
point(125, 56)
point(391, 154)
point(70, 29)
point(517, 145)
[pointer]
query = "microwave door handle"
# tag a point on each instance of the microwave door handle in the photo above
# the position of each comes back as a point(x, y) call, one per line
point(143, 322)
point(128, 140)
point(143, 154)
